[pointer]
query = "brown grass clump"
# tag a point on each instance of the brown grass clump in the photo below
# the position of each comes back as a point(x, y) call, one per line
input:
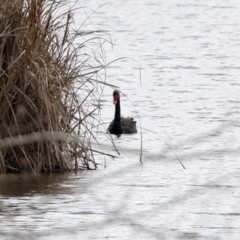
point(46, 80)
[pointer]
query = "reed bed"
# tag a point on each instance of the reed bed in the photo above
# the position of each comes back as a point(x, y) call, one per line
point(48, 84)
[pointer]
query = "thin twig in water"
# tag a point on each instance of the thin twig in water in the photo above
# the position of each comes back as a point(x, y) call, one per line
point(168, 146)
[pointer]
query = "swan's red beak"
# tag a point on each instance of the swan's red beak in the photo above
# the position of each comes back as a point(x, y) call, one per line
point(115, 99)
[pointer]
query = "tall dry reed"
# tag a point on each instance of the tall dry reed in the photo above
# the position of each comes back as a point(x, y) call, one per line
point(47, 87)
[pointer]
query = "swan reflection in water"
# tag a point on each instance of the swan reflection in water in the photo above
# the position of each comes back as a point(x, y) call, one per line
point(121, 125)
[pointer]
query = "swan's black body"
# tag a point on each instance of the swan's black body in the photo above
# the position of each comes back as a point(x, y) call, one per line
point(121, 125)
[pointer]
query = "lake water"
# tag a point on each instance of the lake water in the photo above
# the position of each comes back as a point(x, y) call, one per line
point(187, 101)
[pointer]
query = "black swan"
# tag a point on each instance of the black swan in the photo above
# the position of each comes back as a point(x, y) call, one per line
point(121, 125)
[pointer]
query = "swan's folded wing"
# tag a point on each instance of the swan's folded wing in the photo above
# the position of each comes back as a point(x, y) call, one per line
point(128, 125)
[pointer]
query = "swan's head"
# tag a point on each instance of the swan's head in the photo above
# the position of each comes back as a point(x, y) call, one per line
point(116, 95)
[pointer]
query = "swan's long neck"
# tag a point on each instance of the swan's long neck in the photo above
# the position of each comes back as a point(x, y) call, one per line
point(117, 117)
